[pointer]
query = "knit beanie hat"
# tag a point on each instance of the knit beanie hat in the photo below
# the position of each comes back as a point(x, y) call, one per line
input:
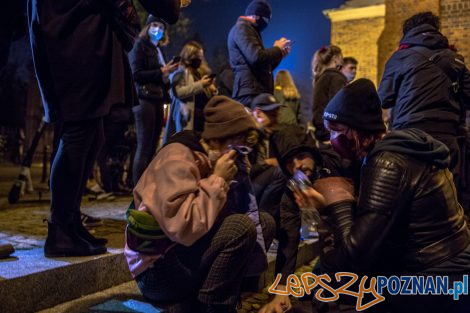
point(151, 18)
point(259, 8)
point(358, 106)
point(225, 117)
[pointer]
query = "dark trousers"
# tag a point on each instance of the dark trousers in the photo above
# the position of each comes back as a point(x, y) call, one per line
point(211, 270)
point(148, 117)
point(79, 143)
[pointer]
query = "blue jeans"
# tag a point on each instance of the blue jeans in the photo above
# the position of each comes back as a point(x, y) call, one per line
point(148, 117)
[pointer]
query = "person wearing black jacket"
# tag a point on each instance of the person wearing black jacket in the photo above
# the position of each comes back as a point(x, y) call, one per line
point(421, 93)
point(406, 220)
point(251, 62)
point(79, 50)
point(151, 75)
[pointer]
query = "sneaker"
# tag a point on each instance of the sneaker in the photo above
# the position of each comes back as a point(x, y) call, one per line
point(90, 221)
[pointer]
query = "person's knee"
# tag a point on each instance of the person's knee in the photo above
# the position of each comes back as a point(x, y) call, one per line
point(240, 226)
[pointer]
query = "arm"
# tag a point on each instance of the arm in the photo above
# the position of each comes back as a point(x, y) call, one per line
point(384, 194)
point(466, 89)
point(185, 206)
point(336, 83)
point(182, 89)
point(143, 75)
point(389, 86)
point(250, 45)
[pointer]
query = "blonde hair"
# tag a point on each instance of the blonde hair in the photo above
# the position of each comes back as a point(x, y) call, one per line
point(285, 83)
point(189, 50)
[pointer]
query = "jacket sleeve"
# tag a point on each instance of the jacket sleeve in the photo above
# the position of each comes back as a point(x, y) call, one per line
point(389, 85)
point(251, 47)
point(143, 75)
point(289, 238)
point(384, 193)
point(465, 97)
point(183, 89)
point(184, 204)
point(336, 83)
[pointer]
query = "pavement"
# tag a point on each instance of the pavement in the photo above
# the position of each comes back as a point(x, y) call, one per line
point(29, 282)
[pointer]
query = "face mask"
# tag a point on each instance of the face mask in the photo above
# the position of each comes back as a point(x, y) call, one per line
point(156, 33)
point(195, 63)
point(213, 156)
point(350, 76)
point(262, 23)
point(344, 146)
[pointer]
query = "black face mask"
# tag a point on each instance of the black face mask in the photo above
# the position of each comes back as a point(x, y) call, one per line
point(261, 24)
point(195, 63)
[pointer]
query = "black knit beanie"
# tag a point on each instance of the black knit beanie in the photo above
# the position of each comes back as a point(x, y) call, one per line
point(358, 106)
point(225, 117)
point(151, 19)
point(259, 8)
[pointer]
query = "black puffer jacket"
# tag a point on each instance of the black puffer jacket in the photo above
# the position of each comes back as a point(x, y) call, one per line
point(416, 89)
point(407, 218)
point(252, 64)
point(146, 70)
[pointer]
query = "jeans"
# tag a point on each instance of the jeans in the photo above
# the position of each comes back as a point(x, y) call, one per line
point(79, 144)
point(148, 117)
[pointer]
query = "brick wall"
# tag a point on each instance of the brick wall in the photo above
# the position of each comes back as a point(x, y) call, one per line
point(455, 24)
point(397, 11)
point(358, 38)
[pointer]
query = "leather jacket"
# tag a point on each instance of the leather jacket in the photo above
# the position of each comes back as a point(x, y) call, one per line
point(407, 218)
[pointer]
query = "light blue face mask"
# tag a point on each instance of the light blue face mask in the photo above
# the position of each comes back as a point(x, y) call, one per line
point(156, 33)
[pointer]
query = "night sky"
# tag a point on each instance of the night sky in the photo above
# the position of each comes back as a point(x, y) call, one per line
point(299, 20)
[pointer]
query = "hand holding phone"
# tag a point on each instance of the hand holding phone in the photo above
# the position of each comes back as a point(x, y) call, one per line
point(176, 59)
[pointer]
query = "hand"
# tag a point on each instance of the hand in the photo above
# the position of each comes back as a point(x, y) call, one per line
point(279, 304)
point(283, 44)
point(206, 80)
point(310, 198)
point(271, 162)
point(225, 166)
point(170, 68)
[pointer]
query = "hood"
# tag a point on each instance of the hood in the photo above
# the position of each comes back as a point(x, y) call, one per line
point(417, 144)
point(291, 140)
point(425, 35)
point(188, 138)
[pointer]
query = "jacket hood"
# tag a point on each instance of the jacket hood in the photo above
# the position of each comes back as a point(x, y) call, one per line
point(291, 140)
point(417, 144)
point(427, 36)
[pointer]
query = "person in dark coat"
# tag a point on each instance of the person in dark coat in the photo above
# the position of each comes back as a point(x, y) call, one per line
point(419, 92)
point(328, 81)
point(80, 57)
point(151, 75)
point(251, 62)
point(406, 220)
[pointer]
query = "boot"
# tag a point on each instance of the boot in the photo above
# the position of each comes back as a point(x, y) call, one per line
point(64, 241)
point(85, 234)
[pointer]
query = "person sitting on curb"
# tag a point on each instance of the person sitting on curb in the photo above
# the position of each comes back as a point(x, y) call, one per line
point(407, 220)
point(210, 230)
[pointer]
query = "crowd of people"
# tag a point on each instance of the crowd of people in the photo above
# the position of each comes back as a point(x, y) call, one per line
point(238, 168)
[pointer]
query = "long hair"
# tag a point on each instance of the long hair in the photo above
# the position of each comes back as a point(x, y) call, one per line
point(144, 34)
point(286, 84)
point(324, 56)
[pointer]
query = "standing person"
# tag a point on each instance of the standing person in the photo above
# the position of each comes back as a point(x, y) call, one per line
point(287, 94)
point(208, 240)
point(406, 220)
point(82, 69)
point(251, 62)
point(349, 68)
point(328, 81)
point(434, 95)
point(186, 83)
point(151, 75)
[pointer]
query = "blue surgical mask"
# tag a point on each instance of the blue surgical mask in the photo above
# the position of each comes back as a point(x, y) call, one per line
point(156, 33)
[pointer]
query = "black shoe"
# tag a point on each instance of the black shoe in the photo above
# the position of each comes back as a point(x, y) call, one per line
point(6, 250)
point(85, 234)
point(90, 221)
point(64, 241)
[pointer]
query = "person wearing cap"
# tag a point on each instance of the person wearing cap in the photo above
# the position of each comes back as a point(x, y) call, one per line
point(251, 62)
point(406, 220)
point(151, 77)
point(187, 189)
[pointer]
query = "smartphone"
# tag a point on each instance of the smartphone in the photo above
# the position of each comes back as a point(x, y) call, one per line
point(212, 76)
point(176, 59)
